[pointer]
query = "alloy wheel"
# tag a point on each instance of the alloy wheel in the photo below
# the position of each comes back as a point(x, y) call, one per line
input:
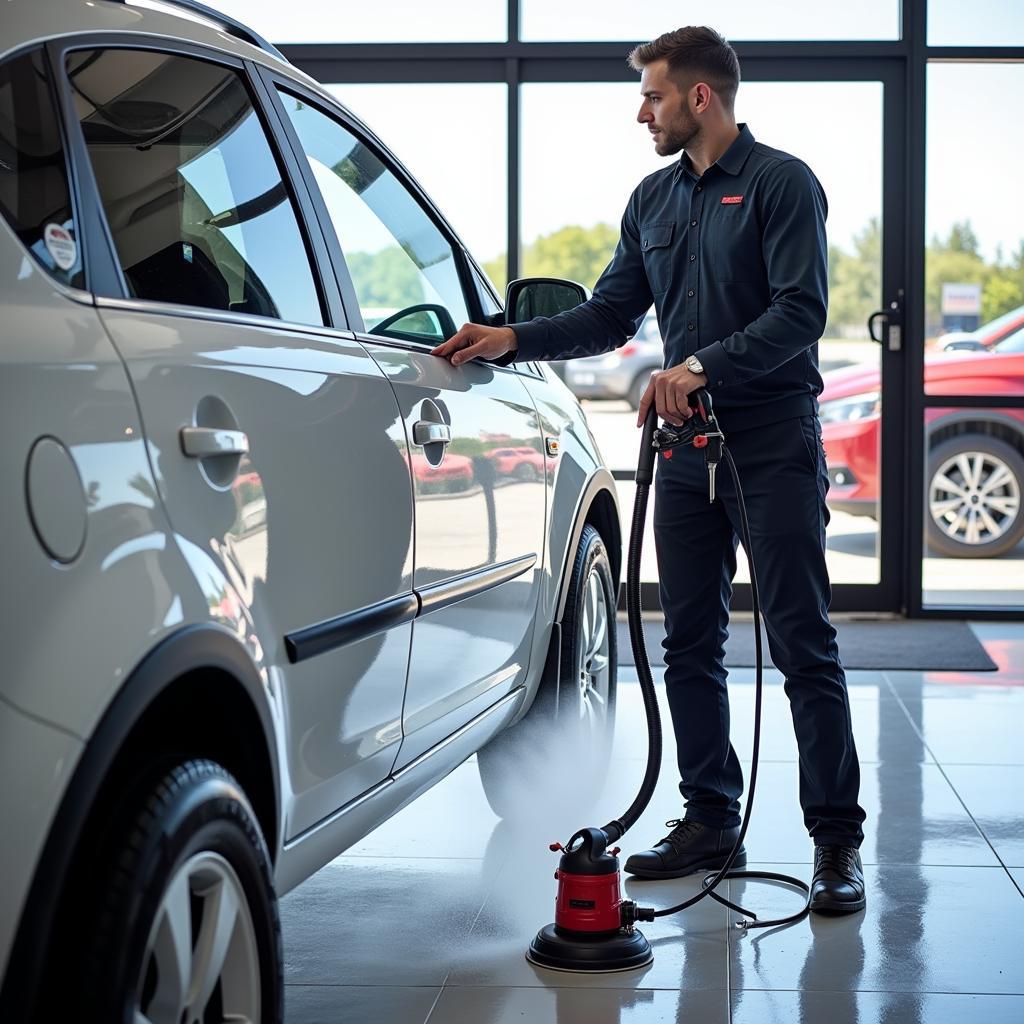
point(974, 498)
point(201, 964)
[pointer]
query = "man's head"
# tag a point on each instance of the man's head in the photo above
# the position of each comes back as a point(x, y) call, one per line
point(688, 79)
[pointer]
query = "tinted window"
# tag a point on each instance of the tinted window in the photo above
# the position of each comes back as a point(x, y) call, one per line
point(34, 195)
point(403, 269)
point(192, 192)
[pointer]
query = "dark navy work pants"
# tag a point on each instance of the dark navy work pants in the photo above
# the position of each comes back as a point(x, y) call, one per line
point(783, 476)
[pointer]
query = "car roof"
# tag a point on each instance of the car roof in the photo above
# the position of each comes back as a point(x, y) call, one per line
point(35, 21)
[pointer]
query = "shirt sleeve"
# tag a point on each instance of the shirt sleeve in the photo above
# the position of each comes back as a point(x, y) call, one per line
point(613, 313)
point(795, 253)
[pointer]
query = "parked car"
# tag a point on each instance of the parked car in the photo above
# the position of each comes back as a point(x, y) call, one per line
point(975, 471)
point(622, 373)
point(517, 463)
point(986, 336)
point(221, 513)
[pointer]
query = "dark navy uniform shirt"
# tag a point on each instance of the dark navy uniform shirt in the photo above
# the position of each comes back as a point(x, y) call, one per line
point(735, 263)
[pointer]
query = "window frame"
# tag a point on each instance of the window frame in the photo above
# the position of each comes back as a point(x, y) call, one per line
point(271, 82)
point(83, 294)
point(103, 267)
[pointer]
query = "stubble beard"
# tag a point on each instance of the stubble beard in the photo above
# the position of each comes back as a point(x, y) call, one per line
point(682, 133)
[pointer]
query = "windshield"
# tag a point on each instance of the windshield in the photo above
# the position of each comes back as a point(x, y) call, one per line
point(994, 326)
point(1012, 343)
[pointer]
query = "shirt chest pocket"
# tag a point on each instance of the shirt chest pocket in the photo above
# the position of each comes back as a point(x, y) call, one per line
point(656, 246)
point(736, 252)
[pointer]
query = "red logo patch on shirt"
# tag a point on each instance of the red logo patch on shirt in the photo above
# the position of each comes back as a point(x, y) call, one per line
point(732, 200)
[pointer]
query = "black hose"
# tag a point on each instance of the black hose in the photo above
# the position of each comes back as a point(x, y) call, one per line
point(618, 826)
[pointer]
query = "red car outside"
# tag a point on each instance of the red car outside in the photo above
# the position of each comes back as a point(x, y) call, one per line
point(519, 463)
point(975, 469)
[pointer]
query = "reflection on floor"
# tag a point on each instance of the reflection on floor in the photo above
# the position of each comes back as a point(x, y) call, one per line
point(428, 918)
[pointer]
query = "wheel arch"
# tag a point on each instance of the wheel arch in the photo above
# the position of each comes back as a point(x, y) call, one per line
point(599, 508)
point(151, 720)
point(976, 421)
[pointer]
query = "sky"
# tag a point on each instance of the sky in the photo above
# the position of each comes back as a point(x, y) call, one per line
point(452, 137)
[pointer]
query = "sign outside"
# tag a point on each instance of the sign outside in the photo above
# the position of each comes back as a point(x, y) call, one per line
point(961, 299)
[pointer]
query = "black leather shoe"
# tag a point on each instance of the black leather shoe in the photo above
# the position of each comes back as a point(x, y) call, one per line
point(838, 883)
point(689, 847)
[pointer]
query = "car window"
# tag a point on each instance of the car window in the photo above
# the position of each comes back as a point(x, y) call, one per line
point(195, 200)
point(34, 196)
point(1012, 343)
point(403, 268)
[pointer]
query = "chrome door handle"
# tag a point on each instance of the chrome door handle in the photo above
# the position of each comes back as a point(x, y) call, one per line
point(428, 432)
point(206, 442)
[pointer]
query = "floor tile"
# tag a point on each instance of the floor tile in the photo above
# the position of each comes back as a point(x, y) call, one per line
point(690, 950)
point(913, 817)
point(554, 1005)
point(931, 929)
point(345, 1004)
point(881, 727)
point(982, 687)
point(968, 732)
point(993, 796)
point(759, 1007)
point(392, 922)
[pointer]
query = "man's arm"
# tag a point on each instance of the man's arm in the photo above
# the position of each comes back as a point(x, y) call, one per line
point(606, 320)
point(796, 257)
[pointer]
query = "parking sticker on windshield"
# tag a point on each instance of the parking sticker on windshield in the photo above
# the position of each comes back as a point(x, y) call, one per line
point(61, 246)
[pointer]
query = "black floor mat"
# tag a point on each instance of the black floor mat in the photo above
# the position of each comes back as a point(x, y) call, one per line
point(884, 644)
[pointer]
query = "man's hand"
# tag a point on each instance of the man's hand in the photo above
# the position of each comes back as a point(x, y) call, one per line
point(668, 390)
point(473, 341)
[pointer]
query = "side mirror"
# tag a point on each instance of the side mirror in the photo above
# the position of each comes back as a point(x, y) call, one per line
point(541, 296)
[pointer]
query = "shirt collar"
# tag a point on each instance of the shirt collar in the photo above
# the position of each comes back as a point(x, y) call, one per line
point(732, 160)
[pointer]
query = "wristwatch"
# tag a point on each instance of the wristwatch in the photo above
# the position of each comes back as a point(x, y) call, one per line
point(693, 364)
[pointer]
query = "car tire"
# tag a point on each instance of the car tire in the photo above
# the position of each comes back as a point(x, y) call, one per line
point(524, 472)
point(637, 389)
point(188, 903)
point(974, 497)
point(571, 723)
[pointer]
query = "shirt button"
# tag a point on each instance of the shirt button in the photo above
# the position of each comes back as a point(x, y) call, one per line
point(699, 188)
point(692, 257)
point(693, 223)
point(690, 293)
point(689, 327)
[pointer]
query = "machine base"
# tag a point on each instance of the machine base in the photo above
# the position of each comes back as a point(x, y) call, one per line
point(560, 950)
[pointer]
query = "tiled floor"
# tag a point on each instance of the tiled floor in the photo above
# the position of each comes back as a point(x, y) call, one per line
point(428, 918)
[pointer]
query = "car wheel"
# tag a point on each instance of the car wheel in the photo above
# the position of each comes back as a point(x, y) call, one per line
point(637, 389)
point(187, 928)
point(974, 497)
point(572, 719)
point(524, 471)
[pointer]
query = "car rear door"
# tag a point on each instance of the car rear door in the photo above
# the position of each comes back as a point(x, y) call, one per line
point(275, 441)
point(479, 527)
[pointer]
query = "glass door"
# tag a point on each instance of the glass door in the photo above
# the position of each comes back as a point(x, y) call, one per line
point(844, 119)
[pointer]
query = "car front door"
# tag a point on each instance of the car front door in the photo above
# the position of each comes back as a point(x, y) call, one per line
point(276, 443)
point(479, 525)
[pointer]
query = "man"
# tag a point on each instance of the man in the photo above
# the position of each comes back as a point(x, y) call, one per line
point(729, 245)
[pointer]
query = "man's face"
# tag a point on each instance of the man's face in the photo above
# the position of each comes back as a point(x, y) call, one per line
point(666, 111)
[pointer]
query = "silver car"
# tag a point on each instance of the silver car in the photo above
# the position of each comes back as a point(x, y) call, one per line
point(622, 373)
point(270, 571)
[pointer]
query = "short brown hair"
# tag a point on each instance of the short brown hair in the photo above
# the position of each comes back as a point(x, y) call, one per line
point(694, 50)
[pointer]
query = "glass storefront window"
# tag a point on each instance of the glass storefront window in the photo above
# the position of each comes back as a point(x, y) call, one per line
point(386, 21)
point(570, 231)
point(981, 23)
point(736, 19)
point(974, 507)
point(974, 260)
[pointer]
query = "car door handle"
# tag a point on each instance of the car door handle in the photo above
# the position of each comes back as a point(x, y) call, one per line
point(206, 442)
point(428, 432)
